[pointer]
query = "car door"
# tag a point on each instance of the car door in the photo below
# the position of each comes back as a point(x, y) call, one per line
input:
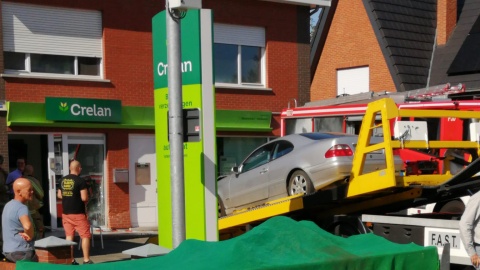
point(251, 183)
point(279, 167)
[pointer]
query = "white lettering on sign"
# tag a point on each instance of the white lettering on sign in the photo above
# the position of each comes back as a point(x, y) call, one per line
point(162, 68)
point(76, 110)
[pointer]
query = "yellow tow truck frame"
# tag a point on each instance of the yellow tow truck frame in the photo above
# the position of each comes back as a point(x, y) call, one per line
point(365, 191)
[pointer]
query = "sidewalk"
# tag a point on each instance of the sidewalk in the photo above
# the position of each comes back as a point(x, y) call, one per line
point(114, 243)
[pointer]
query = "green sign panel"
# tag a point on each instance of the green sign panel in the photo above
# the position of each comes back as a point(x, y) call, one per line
point(83, 110)
point(199, 153)
point(190, 63)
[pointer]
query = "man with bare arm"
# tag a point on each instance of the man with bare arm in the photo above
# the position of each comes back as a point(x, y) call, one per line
point(18, 232)
point(74, 194)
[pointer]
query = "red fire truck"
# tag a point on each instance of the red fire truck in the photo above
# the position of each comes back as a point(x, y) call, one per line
point(345, 114)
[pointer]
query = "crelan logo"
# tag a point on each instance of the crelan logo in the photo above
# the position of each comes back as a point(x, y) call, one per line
point(63, 107)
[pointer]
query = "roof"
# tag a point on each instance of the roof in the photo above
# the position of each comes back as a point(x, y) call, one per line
point(405, 31)
point(458, 61)
point(320, 35)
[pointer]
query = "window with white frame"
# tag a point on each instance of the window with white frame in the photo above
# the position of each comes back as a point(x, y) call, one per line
point(45, 41)
point(239, 53)
point(352, 81)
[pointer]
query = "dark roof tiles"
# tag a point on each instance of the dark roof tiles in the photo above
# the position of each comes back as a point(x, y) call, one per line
point(406, 33)
point(458, 61)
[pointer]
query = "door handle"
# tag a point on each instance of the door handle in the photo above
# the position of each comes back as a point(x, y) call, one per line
point(264, 171)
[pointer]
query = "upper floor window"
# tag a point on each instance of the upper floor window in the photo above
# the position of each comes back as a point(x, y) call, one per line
point(352, 81)
point(46, 41)
point(239, 53)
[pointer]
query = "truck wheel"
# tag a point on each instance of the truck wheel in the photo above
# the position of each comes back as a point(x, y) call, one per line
point(300, 183)
point(455, 207)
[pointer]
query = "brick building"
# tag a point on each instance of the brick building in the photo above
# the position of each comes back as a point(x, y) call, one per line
point(77, 78)
point(378, 45)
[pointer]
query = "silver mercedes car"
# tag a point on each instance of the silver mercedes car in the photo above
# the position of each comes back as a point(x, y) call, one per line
point(293, 164)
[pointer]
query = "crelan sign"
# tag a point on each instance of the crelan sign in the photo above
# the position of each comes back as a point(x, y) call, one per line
point(83, 110)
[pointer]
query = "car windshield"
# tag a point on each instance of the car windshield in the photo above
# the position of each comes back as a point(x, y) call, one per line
point(323, 136)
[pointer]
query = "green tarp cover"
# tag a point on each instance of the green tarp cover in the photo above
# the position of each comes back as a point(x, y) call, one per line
point(280, 243)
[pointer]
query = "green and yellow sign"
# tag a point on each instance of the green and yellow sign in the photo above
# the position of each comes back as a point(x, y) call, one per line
point(83, 110)
point(197, 99)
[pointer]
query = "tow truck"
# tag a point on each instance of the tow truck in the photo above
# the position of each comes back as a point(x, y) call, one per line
point(339, 208)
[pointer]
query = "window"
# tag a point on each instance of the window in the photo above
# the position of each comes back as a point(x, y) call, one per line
point(353, 81)
point(282, 148)
point(239, 55)
point(328, 124)
point(298, 125)
point(45, 41)
point(258, 158)
point(233, 150)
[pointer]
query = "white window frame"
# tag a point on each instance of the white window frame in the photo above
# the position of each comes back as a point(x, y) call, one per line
point(242, 36)
point(28, 69)
point(352, 81)
point(44, 30)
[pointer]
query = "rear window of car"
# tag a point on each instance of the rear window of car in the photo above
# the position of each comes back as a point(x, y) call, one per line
point(323, 136)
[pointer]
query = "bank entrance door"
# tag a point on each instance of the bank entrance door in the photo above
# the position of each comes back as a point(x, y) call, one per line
point(89, 150)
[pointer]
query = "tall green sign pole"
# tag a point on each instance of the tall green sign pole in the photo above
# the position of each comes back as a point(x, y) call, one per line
point(196, 132)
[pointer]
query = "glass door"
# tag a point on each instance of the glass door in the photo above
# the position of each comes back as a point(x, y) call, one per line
point(89, 150)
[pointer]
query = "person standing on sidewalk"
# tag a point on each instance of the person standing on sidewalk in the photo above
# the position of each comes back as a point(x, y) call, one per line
point(14, 175)
point(17, 228)
point(74, 194)
point(469, 226)
point(36, 203)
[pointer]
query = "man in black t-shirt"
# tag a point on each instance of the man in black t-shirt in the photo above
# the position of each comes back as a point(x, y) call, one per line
point(74, 194)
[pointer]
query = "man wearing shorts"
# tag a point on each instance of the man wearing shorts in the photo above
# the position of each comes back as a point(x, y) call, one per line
point(74, 194)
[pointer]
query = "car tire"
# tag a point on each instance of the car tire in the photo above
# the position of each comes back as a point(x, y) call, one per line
point(221, 209)
point(300, 183)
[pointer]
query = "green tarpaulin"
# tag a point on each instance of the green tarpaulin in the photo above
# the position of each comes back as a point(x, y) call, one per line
point(280, 243)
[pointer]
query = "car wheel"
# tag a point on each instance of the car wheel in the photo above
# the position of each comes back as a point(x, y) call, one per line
point(221, 208)
point(300, 183)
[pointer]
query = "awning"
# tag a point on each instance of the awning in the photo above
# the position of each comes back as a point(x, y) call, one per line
point(133, 117)
point(33, 114)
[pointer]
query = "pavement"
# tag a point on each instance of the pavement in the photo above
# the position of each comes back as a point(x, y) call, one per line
point(114, 242)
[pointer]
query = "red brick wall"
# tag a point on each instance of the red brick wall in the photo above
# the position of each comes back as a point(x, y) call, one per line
point(55, 255)
point(128, 66)
point(280, 22)
point(446, 20)
point(127, 56)
point(7, 265)
point(3, 120)
point(351, 43)
point(118, 193)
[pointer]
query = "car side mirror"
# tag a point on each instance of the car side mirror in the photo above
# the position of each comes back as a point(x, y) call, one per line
point(235, 169)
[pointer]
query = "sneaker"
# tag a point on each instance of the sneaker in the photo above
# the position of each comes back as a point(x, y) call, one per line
point(89, 262)
point(74, 262)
